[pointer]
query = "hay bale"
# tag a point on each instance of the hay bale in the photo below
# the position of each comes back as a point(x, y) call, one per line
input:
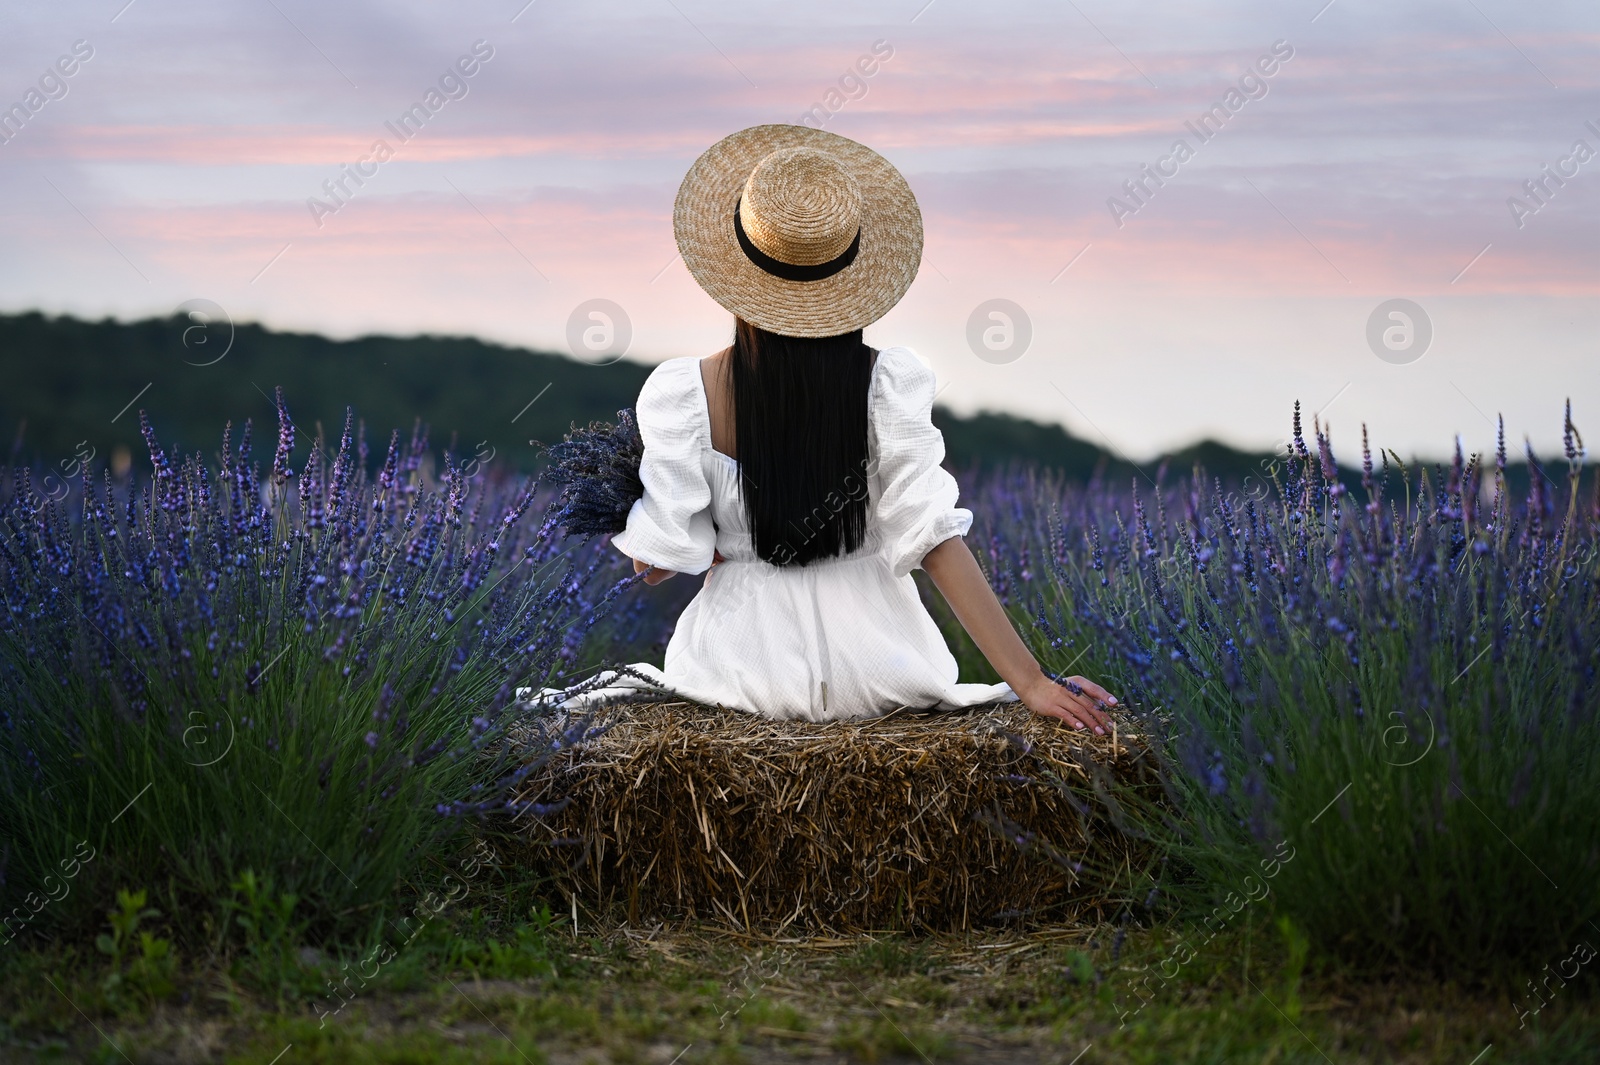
point(906, 821)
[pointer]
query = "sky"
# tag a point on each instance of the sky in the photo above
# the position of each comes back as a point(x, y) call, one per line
point(1358, 152)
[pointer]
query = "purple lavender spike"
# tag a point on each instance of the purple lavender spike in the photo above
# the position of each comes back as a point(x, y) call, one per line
point(281, 471)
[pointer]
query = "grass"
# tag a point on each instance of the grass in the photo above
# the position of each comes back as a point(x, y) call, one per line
point(488, 986)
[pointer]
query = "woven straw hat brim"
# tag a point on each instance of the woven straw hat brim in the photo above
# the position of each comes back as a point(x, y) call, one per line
point(855, 297)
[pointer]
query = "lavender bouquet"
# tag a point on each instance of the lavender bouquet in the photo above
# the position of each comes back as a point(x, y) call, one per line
point(596, 474)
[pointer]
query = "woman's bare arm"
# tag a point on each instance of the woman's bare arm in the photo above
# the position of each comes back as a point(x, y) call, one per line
point(956, 574)
point(656, 574)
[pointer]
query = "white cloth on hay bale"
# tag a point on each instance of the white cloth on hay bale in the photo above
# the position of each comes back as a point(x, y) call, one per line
point(839, 638)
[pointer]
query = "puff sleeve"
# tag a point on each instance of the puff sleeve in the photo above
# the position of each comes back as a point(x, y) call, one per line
point(916, 507)
point(670, 525)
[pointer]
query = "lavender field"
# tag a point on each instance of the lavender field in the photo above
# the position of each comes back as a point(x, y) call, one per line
point(1377, 707)
point(259, 701)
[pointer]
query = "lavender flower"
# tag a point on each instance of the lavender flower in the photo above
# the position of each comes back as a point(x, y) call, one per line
point(281, 470)
point(344, 663)
point(1311, 627)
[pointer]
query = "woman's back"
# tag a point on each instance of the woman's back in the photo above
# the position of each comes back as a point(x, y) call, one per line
point(841, 636)
point(909, 499)
point(716, 377)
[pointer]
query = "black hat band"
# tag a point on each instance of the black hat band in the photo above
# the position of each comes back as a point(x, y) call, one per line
point(789, 271)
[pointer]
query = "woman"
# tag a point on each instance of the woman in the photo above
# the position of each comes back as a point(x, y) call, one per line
point(800, 469)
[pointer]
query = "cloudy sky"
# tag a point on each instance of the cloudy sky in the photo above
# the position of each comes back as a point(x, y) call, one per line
point(1387, 155)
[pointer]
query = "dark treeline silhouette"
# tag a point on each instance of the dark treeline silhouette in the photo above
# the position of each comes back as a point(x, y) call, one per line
point(70, 386)
point(68, 379)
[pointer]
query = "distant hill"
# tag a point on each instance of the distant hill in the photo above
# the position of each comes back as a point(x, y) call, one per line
point(64, 380)
point(68, 379)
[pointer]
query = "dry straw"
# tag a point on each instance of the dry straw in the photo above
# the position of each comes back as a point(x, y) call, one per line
point(906, 821)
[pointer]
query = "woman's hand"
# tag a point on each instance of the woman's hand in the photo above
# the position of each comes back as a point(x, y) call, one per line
point(716, 560)
point(1047, 698)
point(656, 574)
point(652, 574)
point(957, 575)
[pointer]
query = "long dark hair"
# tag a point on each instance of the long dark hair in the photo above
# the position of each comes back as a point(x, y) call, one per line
point(800, 429)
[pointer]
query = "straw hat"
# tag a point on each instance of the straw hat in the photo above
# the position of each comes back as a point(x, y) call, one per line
point(799, 231)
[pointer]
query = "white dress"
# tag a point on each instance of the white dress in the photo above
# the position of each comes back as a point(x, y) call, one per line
point(838, 638)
